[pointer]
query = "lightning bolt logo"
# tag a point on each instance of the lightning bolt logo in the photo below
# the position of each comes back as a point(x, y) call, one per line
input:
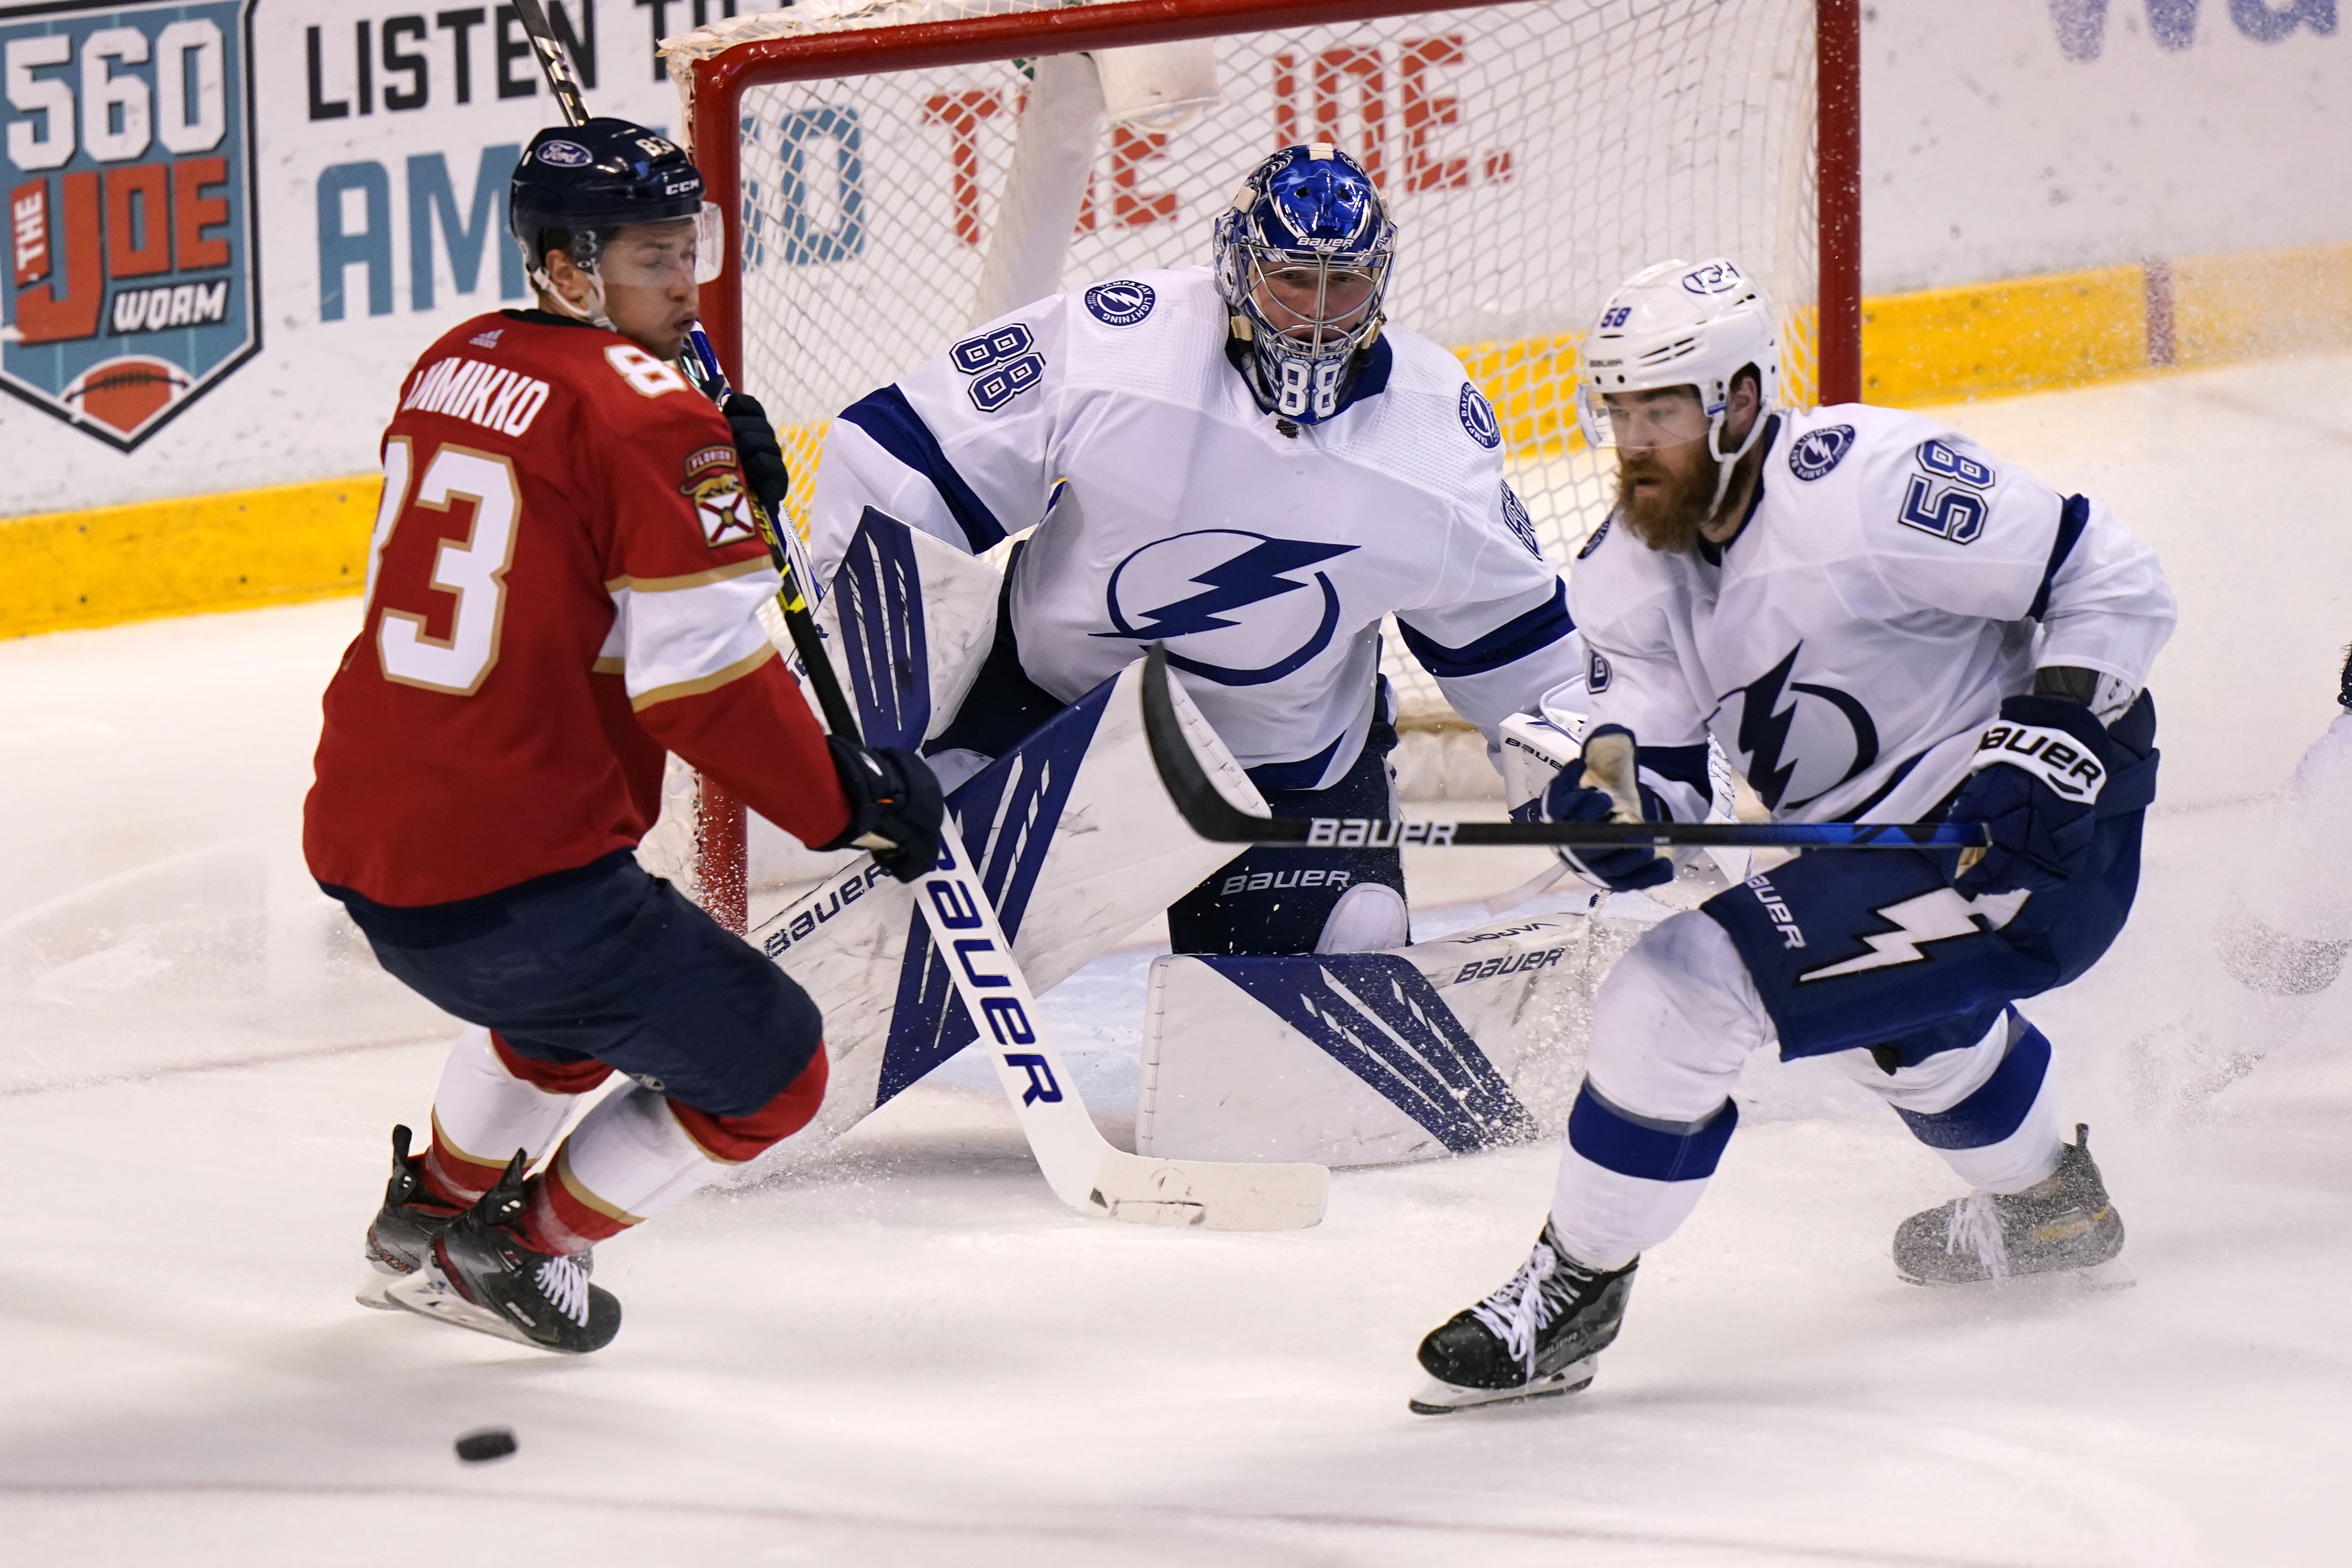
point(1764, 733)
point(1256, 575)
point(1936, 915)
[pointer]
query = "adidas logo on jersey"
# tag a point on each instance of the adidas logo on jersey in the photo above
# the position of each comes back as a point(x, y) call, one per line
point(484, 395)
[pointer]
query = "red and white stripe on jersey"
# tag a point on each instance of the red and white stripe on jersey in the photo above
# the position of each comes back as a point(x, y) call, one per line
point(675, 636)
point(562, 584)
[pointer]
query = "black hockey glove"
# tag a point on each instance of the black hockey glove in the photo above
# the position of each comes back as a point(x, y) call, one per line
point(2035, 781)
point(892, 795)
point(1572, 797)
point(756, 450)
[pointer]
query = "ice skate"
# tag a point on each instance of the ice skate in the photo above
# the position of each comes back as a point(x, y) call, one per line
point(2067, 1222)
point(485, 1276)
point(402, 1235)
point(1535, 1338)
point(400, 1238)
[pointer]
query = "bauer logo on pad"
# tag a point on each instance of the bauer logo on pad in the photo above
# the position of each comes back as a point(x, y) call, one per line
point(130, 210)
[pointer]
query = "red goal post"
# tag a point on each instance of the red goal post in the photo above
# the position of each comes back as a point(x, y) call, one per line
point(1535, 153)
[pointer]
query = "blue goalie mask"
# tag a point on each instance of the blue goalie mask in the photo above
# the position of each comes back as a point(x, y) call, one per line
point(1302, 260)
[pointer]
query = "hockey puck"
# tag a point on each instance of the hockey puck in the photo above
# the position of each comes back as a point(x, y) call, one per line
point(490, 1443)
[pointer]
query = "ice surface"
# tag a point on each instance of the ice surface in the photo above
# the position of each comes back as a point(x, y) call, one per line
point(906, 1353)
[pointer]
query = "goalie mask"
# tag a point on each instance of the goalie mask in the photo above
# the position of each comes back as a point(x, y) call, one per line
point(578, 184)
point(1676, 325)
point(1302, 262)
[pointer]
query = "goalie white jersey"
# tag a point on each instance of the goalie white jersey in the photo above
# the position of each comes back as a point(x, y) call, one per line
point(1170, 507)
point(1892, 585)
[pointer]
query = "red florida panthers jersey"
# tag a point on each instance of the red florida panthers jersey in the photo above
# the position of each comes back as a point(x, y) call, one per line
point(564, 582)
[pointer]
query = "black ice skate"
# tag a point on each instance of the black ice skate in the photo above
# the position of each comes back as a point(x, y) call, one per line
point(403, 1230)
point(1534, 1338)
point(485, 1276)
point(2067, 1222)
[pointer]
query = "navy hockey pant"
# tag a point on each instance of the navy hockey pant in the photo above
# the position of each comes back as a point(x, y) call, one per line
point(607, 962)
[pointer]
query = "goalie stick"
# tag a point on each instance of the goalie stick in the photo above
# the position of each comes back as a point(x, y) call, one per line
point(1079, 1163)
point(1220, 821)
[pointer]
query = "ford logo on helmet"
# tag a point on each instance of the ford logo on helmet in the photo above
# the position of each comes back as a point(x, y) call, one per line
point(565, 154)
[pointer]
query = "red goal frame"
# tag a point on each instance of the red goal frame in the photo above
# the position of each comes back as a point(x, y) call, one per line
point(719, 82)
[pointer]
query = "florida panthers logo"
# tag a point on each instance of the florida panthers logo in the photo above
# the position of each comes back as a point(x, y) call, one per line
point(1242, 607)
point(1802, 739)
point(715, 485)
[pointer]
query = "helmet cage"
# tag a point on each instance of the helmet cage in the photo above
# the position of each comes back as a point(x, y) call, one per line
point(1313, 210)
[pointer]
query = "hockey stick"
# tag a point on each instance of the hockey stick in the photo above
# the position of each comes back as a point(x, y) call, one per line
point(701, 363)
point(1082, 1168)
point(1218, 820)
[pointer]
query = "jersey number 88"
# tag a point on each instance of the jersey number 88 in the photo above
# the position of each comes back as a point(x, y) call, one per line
point(1003, 364)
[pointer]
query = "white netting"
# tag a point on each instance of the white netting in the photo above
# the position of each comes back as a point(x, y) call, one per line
point(1534, 156)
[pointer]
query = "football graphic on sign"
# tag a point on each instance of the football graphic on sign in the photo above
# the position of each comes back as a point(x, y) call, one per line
point(129, 186)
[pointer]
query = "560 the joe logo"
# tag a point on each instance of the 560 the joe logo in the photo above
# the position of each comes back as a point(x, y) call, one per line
point(130, 207)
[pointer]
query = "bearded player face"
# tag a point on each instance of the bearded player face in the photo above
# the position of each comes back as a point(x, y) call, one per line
point(1665, 478)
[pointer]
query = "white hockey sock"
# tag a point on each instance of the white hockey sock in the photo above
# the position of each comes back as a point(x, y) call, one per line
point(1672, 1025)
point(1986, 1110)
point(627, 1161)
point(482, 1113)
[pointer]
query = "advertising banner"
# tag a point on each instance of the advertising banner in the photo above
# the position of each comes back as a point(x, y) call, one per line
point(234, 223)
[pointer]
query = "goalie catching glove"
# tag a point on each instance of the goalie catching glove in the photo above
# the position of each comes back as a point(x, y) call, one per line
point(2035, 783)
point(1605, 786)
point(895, 807)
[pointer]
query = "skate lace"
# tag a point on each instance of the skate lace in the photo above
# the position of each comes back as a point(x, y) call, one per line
point(565, 1286)
point(1975, 1228)
point(1526, 1306)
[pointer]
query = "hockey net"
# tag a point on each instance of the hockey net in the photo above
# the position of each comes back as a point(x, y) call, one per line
point(1534, 155)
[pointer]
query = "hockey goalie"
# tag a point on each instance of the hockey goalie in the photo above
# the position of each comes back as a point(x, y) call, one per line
point(1249, 463)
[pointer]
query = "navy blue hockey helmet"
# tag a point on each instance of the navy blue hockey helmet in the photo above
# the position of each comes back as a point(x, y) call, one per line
point(1302, 261)
point(589, 180)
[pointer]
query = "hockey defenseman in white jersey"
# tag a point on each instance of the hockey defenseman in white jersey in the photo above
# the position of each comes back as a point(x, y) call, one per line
point(1878, 622)
point(1254, 466)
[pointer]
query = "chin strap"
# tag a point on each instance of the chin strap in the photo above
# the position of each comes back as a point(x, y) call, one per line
point(1724, 464)
point(592, 312)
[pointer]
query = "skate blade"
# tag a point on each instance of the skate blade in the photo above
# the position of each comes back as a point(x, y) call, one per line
point(428, 1294)
point(375, 1288)
point(2115, 1274)
point(1437, 1398)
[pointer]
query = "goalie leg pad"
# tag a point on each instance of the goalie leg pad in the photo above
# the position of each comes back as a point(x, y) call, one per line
point(1370, 1058)
point(913, 619)
point(1277, 899)
point(1077, 845)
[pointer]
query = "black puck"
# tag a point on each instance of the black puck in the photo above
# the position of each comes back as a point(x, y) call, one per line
point(490, 1443)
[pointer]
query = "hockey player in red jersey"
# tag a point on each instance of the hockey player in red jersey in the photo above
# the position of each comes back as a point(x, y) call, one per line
point(564, 585)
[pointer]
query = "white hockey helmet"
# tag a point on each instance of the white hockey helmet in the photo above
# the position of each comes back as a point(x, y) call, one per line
point(1680, 324)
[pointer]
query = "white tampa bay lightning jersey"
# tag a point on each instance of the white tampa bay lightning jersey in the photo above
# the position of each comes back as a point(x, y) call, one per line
point(1894, 583)
point(1170, 507)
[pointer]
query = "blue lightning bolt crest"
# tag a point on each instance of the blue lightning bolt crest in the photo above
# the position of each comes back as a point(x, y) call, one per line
point(1254, 576)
